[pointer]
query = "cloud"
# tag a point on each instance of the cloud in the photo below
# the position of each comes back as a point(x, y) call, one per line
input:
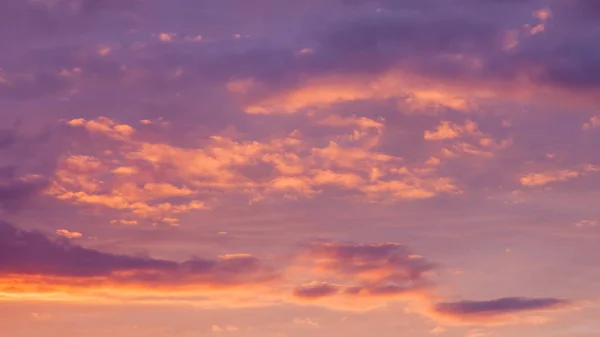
point(425, 57)
point(447, 130)
point(315, 291)
point(357, 270)
point(358, 108)
point(497, 310)
point(129, 172)
point(586, 223)
point(227, 328)
point(539, 179)
point(593, 123)
point(414, 94)
point(353, 276)
point(32, 262)
point(69, 234)
point(450, 46)
point(345, 276)
point(307, 321)
point(105, 126)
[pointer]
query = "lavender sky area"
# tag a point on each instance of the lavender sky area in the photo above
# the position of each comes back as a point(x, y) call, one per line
point(292, 168)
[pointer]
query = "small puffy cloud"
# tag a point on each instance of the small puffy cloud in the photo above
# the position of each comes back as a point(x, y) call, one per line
point(543, 14)
point(104, 50)
point(305, 51)
point(105, 126)
point(69, 234)
point(593, 123)
point(586, 223)
point(543, 178)
point(194, 38)
point(166, 37)
point(467, 139)
point(447, 130)
point(536, 29)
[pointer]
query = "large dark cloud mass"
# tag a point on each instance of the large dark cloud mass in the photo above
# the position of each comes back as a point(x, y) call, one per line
point(25, 253)
point(429, 37)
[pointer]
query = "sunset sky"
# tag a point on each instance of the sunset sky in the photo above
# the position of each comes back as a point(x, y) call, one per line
point(295, 168)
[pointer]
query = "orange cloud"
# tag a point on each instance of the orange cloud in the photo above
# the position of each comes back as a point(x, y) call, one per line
point(414, 92)
point(472, 140)
point(447, 130)
point(149, 179)
point(542, 14)
point(359, 270)
point(105, 126)
point(69, 234)
point(539, 179)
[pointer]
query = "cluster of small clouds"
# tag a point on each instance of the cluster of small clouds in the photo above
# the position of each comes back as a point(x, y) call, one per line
point(157, 181)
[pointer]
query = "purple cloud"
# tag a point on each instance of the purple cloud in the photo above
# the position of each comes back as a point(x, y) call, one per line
point(317, 291)
point(32, 253)
point(499, 306)
point(382, 269)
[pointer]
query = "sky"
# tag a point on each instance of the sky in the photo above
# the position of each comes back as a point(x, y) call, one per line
point(292, 168)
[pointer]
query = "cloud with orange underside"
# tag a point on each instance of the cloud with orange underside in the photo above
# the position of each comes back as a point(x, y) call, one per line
point(365, 131)
point(350, 276)
point(33, 263)
point(413, 92)
point(466, 139)
point(353, 276)
point(91, 181)
point(104, 126)
point(543, 178)
point(339, 275)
